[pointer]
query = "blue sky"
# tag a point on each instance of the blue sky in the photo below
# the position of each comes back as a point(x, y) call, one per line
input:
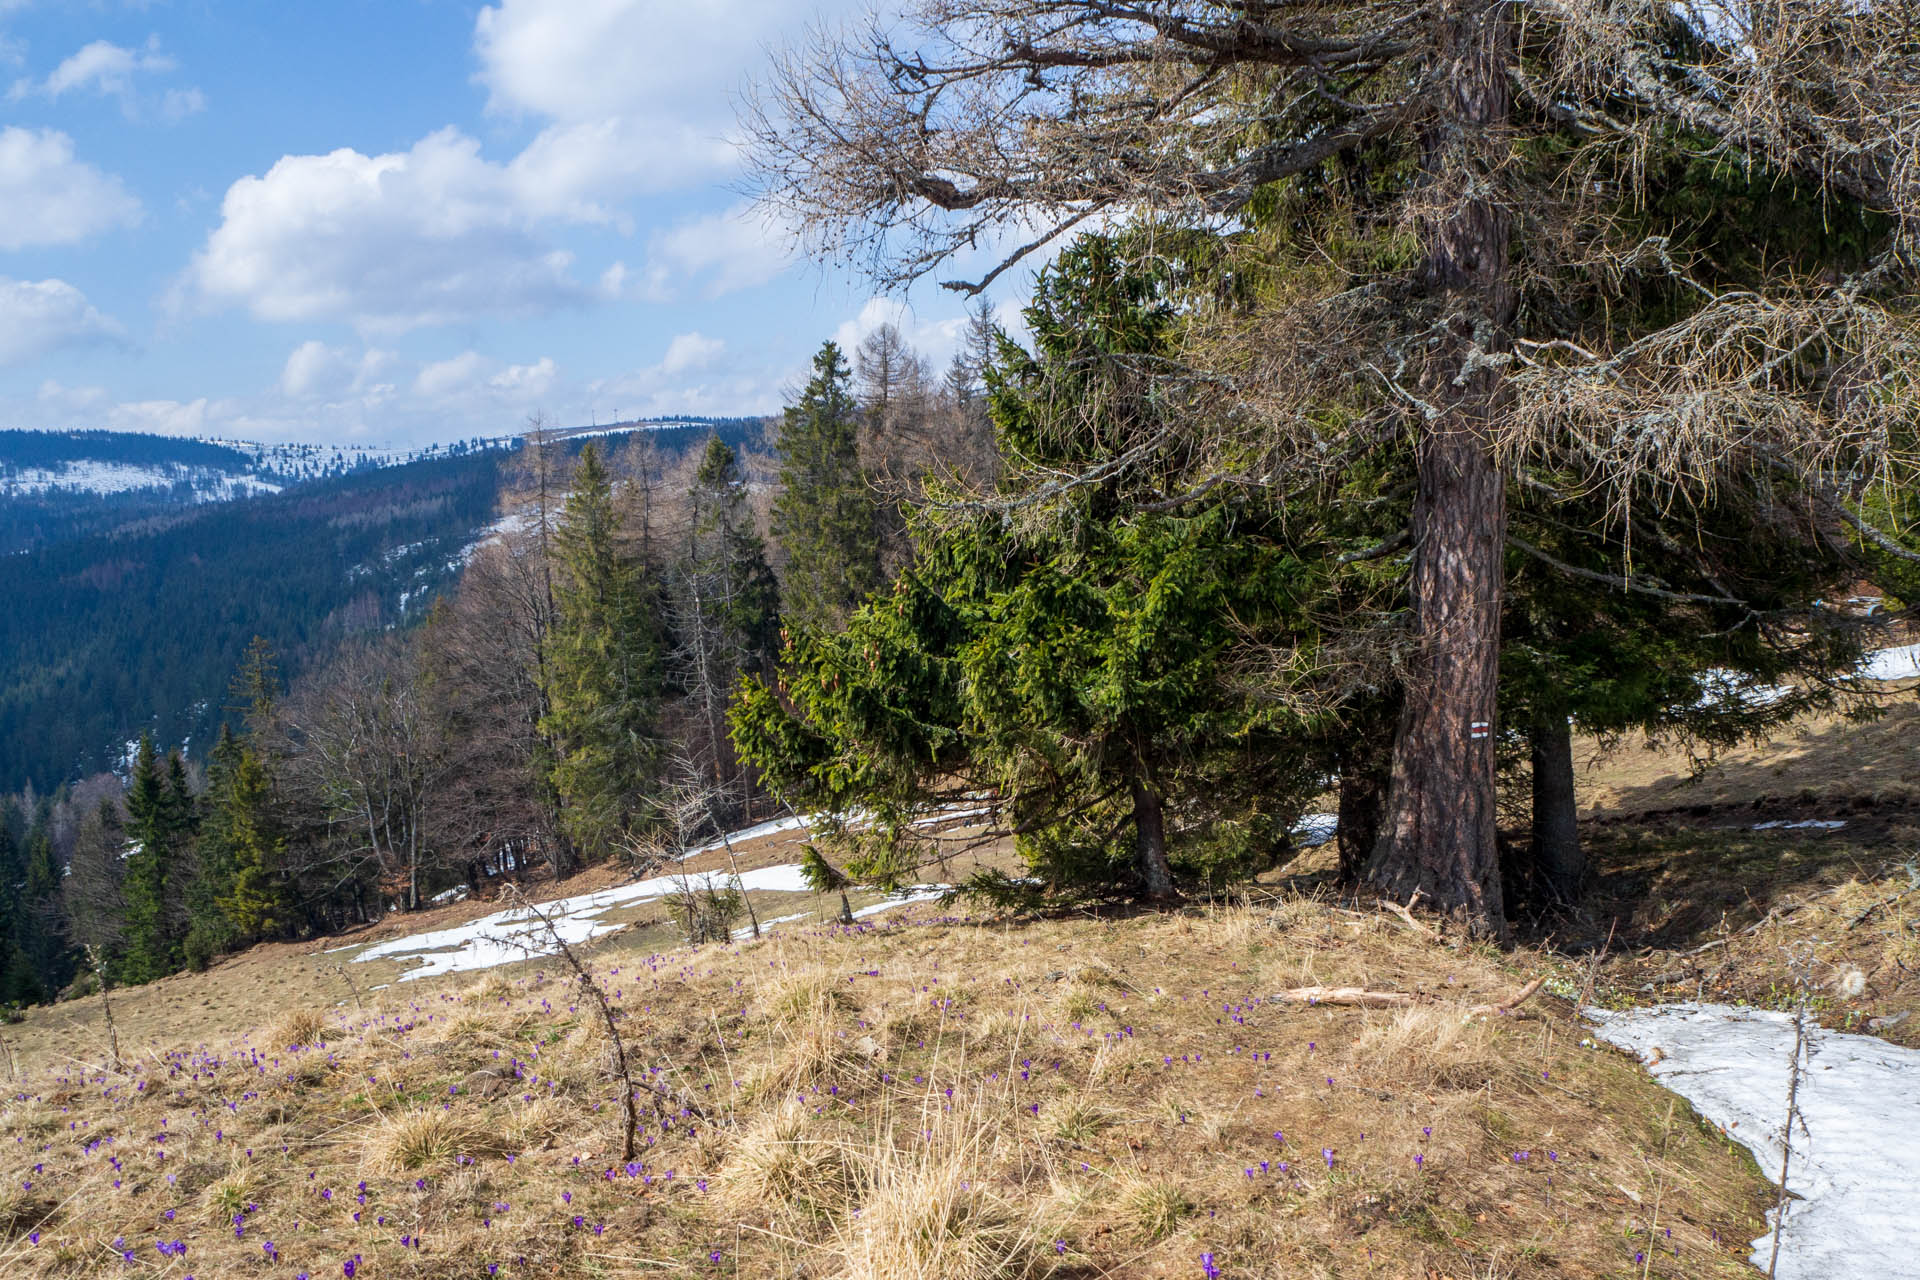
point(396, 221)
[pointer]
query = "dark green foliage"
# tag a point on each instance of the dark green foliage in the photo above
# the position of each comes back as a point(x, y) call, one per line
point(604, 670)
point(161, 822)
point(726, 544)
point(825, 517)
point(109, 636)
point(240, 892)
point(1072, 659)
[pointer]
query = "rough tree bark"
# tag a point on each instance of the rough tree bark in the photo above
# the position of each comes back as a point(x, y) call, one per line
point(1150, 842)
point(1438, 835)
point(1559, 862)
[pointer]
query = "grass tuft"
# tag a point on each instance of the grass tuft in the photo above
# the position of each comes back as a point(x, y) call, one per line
point(1156, 1206)
point(296, 1029)
point(427, 1138)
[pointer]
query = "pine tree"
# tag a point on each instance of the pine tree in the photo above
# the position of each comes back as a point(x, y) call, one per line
point(603, 669)
point(825, 518)
point(160, 819)
point(725, 616)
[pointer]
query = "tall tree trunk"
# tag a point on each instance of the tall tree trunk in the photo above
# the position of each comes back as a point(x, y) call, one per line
point(1150, 841)
point(1559, 862)
point(1440, 823)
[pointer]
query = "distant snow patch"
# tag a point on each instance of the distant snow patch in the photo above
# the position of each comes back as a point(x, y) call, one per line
point(1315, 829)
point(1809, 824)
point(1856, 1165)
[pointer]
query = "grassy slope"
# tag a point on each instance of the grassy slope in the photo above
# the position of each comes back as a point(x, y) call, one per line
point(1111, 1083)
point(819, 1060)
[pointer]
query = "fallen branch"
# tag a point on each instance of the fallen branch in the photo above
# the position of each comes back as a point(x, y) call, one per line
point(1364, 998)
point(1406, 914)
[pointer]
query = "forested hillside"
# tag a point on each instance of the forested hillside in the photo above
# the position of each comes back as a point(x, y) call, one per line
point(129, 608)
point(114, 634)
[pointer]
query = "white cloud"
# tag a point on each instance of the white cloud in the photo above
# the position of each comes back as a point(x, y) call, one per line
point(935, 339)
point(471, 377)
point(691, 351)
point(637, 92)
point(104, 68)
point(721, 253)
point(444, 377)
point(631, 97)
point(427, 236)
point(697, 374)
point(317, 371)
point(48, 197)
point(71, 399)
point(109, 70)
point(177, 104)
point(37, 317)
point(166, 417)
point(525, 381)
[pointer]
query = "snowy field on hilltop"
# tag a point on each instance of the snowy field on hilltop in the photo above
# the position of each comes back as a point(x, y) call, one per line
point(107, 478)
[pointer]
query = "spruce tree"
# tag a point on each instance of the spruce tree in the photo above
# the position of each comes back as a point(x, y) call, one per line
point(149, 870)
point(256, 901)
point(603, 670)
point(825, 517)
point(18, 983)
point(161, 822)
point(725, 620)
point(240, 892)
point(1074, 663)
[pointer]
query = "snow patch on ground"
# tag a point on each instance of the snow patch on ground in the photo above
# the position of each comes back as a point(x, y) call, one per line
point(1810, 824)
point(775, 827)
point(1719, 686)
point(1315, 829)
point(517, 934)
point(1902, 663)
point(1856, 1165)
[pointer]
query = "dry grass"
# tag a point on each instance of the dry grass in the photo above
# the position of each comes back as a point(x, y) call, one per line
point(929, 1207)
point(1155, 1207)
point(781, 1163)
point(430, 1138)
point(1429, 1046)
point(296, 1029)
point(825, 1138)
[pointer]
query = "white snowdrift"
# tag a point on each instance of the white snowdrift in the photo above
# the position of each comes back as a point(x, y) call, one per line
point(515, 934)
point(1856, 1165)
point(1902, 663)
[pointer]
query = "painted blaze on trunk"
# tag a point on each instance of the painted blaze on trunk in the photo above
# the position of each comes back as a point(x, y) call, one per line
point(1438, 835)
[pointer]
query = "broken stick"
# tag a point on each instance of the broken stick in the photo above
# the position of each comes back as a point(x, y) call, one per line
point(1369, 999)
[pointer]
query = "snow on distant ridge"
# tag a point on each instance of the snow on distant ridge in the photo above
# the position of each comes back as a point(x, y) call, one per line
point(90, 475)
